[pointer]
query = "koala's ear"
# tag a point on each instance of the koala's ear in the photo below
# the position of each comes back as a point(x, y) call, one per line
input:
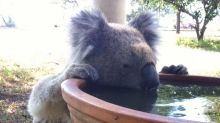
point(146, 24)
point(86, 27)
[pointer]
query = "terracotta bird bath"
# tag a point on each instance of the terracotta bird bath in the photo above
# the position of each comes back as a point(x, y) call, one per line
point(85, 108)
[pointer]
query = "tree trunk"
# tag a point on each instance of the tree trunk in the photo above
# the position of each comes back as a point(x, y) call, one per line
point(200, 38)
point(200, 32)
point(178, 22)
point(114, 10)
point(197, 28)
point(197, 33)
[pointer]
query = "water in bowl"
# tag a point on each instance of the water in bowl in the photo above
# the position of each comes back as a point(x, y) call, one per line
point(192, 102)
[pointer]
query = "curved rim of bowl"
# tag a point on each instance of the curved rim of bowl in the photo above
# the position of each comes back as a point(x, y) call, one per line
point(108, 112)
point(189, 79)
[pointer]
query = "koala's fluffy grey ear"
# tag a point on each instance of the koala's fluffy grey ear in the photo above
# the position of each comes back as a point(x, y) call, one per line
point(146, 24)
point(86, 26)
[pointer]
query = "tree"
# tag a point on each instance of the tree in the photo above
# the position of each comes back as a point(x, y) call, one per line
point(201, 11)
point(155, 5)
point(178, 21)
point(145, 5)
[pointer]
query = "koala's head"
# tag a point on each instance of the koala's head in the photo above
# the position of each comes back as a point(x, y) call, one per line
point(123, 55)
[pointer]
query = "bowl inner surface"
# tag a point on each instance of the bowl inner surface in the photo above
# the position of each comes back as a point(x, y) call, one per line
point(191, 102)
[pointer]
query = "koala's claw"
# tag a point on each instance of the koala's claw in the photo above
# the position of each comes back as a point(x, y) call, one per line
point(179, 69)
point(82, 71)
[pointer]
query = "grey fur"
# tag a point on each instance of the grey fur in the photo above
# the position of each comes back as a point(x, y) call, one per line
point(146, 24)
point(86, 30)
point(104, 53)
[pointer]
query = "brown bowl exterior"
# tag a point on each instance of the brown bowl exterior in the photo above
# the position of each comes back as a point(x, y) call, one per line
point(85, 108)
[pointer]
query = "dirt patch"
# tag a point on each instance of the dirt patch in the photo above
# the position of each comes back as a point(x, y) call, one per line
point(14, 98)
point(13, 108)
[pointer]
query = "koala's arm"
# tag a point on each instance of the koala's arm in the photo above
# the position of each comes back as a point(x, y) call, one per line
point(50, 86)
point(46, 102)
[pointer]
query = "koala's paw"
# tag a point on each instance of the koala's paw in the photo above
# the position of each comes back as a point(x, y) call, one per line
point(179, 69)
point(81, 71)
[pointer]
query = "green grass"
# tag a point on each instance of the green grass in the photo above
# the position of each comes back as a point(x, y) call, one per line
point(207, 44)
point(214, 113)
point(16, 82)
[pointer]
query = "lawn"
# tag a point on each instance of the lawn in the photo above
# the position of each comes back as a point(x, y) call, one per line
point(206, 44)
point(16, 82)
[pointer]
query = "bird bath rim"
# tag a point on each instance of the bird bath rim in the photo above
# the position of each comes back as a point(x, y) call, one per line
point(85, 108)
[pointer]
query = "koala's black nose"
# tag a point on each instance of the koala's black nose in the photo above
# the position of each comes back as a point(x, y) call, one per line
point(150, 76)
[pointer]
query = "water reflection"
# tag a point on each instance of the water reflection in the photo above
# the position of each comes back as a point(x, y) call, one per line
point(189, 109)
point(190, 102)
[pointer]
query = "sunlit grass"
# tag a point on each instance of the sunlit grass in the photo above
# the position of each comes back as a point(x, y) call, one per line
point(206, 44)
point(15, 79)
point(214, 113)
point(16, 82)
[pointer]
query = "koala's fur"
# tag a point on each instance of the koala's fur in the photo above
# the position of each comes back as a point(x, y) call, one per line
point(102, 53)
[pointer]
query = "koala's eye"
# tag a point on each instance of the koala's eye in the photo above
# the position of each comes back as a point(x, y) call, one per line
point(126, 66)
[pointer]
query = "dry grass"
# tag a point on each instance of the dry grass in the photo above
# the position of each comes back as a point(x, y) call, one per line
point(15, 86)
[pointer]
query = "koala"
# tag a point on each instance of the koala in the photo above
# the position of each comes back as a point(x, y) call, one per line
point(101, 53)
